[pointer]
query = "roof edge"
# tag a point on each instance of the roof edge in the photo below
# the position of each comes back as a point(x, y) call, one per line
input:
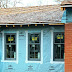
point(66, 6)
point(52, 23)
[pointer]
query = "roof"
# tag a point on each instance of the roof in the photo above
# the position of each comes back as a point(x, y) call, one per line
point(33, 14)
point(68, 2)
point(66, 6)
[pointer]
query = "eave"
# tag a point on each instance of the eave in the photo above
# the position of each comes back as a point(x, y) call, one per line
point(29, 24)
point(66, 6)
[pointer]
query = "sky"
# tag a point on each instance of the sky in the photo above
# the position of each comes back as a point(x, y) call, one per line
point(36, 2)
point(23, 3)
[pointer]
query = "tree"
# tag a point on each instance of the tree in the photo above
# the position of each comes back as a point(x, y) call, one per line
point(59, 1)
point(9, 3)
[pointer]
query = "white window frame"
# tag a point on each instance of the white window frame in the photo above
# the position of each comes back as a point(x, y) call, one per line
point(51, 60)
point(41, 61)
point(3, 49)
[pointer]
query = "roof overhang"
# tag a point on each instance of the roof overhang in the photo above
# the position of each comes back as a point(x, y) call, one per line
point(66, 6)
point(63, 7)
point(18, 24)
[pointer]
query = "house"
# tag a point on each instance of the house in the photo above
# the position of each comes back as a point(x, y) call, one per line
point(68, 34)
point(32, 39)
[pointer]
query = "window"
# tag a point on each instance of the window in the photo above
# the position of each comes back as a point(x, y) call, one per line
point(34, 47)
point(10, 46)
point(58, 46)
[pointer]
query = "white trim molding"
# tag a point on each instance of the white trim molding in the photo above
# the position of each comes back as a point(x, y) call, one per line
point(3, 49)
point(41, 46)
point(51, 60)
point(41, 61)
point(17, 45)
point(2, 46)
point(26, 46)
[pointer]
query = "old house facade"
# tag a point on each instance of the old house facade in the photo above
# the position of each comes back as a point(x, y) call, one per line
point(68, 30)
point(33, 39)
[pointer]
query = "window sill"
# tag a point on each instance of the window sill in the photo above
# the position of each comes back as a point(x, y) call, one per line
point(33, 62)
point(57, 62)
point(9, 61)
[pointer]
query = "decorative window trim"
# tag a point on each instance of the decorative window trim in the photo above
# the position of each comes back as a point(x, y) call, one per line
point(3, 49)
point(41, 61)
point(51, 60)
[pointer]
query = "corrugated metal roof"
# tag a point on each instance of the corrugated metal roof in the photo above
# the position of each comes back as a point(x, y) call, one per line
point(33, 14)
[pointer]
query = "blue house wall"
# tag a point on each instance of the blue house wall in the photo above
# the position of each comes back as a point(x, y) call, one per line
point(22, 66)
point(67, 15)
point(64, 17)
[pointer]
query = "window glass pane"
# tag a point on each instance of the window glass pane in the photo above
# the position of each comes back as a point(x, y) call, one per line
point(13, 52)
point(59, 46)
point(36, 38)
point(7, 51)
point(31, 38)
point(62, 51)
point(10, 47)
point(13, 48)
point(57, 38)
point(36, 54)
point(12, 38)
point(32, 47)
point(57, 51)
point(37, 48)
point(62, 38)
point(31, 54)
point(37, 51)
point(7, 38)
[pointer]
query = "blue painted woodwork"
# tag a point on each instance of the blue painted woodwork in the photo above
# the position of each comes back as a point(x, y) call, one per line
point(63, 20)
point(1, 52)
point(67, 15)
point(36, 67)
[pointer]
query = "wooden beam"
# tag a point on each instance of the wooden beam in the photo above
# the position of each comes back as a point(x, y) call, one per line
point(28, 25)
point(13, 25)
point(20, 25)
point(43, 25)
point(35, 24)
point(6, 26)
point(57, 24)
point(64, 8)
point(61, 8)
